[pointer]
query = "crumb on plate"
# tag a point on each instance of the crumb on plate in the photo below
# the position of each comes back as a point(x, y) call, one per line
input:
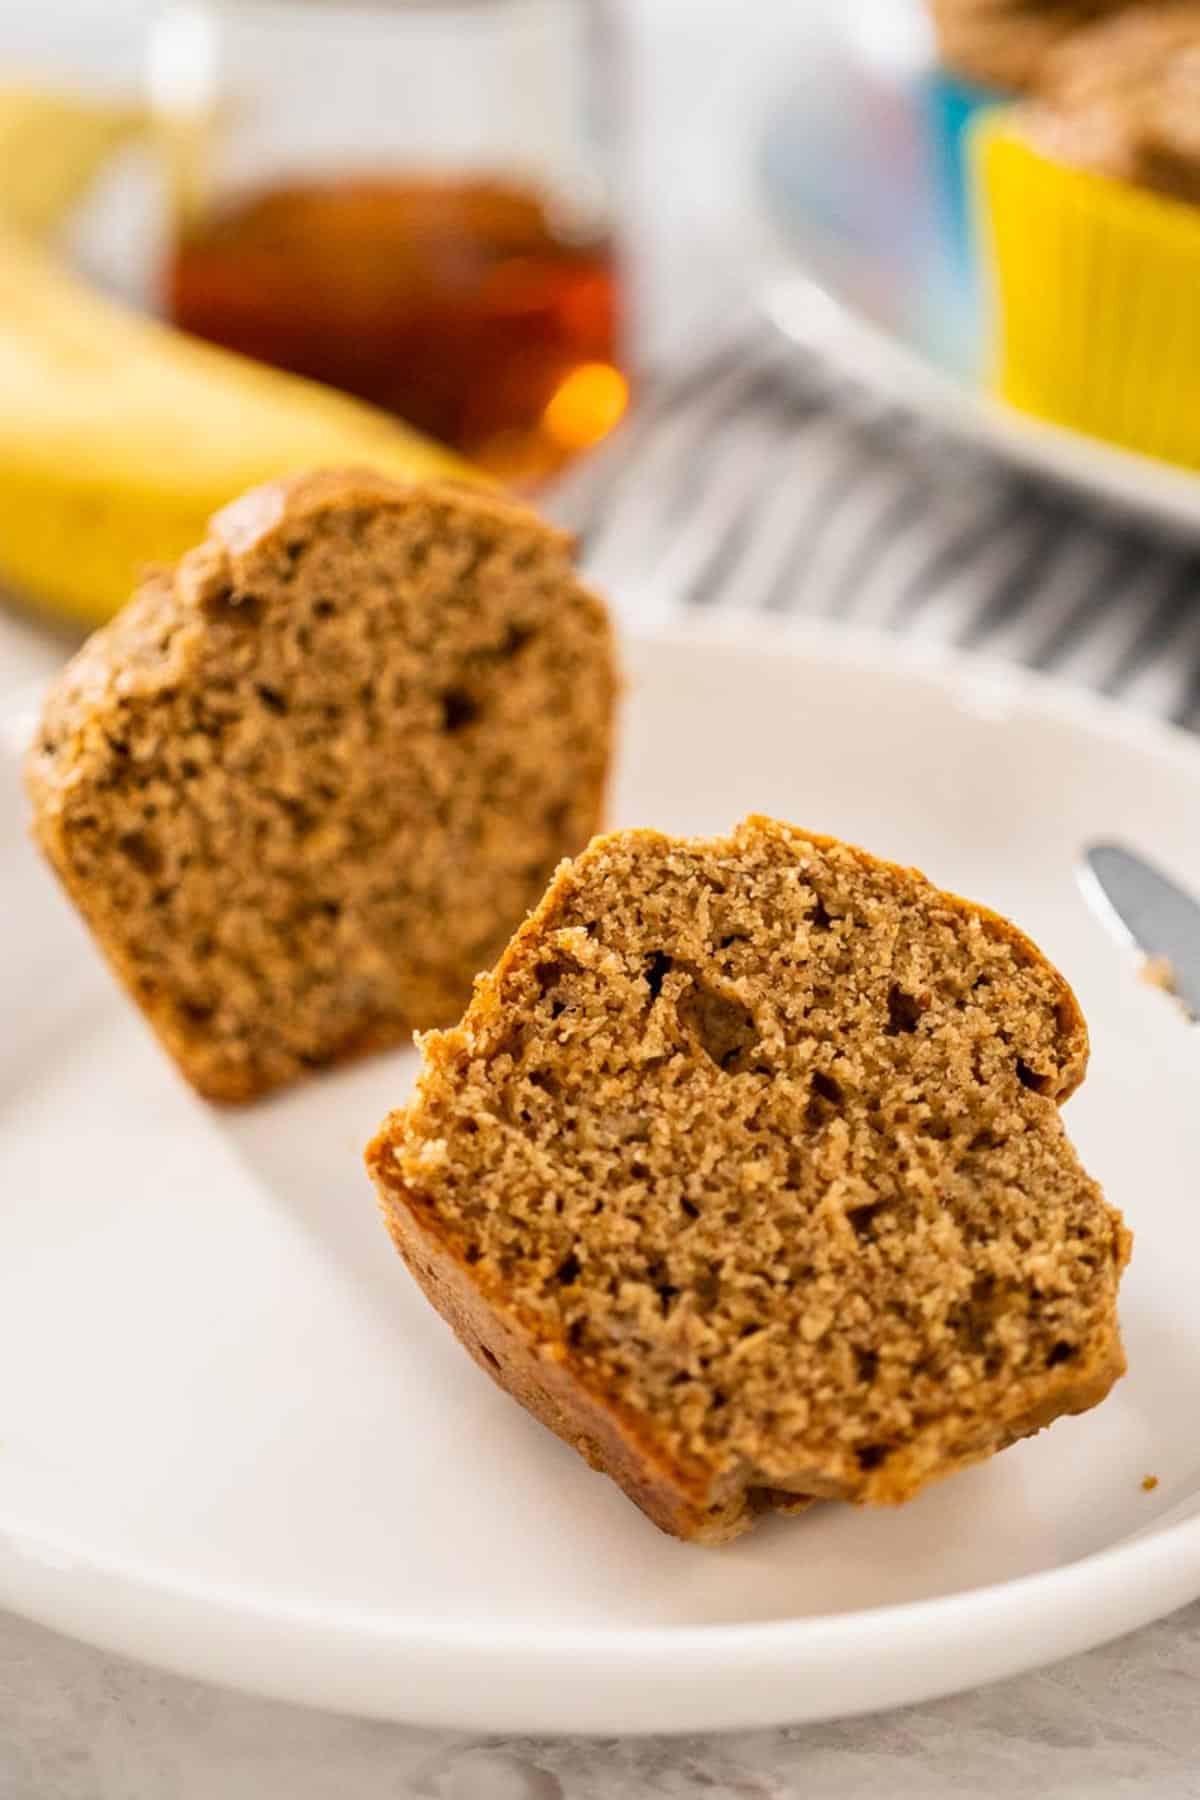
point(1157, 972)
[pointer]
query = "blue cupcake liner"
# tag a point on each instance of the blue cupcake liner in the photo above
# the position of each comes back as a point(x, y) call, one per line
point(950, 108)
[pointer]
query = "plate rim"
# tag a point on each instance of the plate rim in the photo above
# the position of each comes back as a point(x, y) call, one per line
point(1077, 1605)
point(811, 314)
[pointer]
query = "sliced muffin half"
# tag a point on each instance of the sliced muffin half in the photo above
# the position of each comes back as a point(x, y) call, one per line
point(305, 785)
point(745, 1173)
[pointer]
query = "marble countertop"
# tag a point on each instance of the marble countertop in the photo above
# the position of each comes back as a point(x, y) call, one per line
point(76, 1724)
point(1121, 1722)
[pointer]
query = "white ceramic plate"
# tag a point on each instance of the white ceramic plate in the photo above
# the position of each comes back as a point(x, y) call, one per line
point(855, 177)
point(235, 1441)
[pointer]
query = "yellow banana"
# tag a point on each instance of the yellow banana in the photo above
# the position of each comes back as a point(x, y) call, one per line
point(118, 435)
point(51, 146)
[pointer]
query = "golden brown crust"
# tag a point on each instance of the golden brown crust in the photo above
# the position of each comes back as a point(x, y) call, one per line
point(544, 1381)
point(561, 1393)
point(530, 1348)
point(303, 786)
point(250, 522)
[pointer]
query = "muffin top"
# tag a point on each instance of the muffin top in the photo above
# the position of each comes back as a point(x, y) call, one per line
point(1005, 43)
point(1123, 98)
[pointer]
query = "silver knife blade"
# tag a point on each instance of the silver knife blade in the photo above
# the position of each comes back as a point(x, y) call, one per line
point(1149, 911)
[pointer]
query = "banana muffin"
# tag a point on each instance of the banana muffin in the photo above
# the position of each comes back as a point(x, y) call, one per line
point(305, 785)
point(1004, 44)
point(1123, 100)
point(745, 1173)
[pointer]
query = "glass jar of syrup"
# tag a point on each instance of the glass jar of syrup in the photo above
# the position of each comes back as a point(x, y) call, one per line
point(406, 199)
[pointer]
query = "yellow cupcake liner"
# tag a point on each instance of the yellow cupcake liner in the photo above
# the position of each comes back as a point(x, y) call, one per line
point(1095, 297)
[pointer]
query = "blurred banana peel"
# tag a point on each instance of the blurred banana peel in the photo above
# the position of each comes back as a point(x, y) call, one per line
point(51, 148)
point(119, 437)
